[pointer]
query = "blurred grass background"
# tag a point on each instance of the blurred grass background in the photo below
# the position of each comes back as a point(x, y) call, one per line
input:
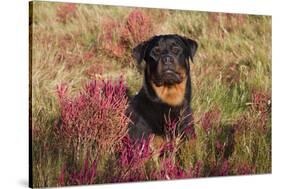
point(231, 76)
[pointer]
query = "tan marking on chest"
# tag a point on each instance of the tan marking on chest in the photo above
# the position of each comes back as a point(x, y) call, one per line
point(158, 142)
point(172, 95)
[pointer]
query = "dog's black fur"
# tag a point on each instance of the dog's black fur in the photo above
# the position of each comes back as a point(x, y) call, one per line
point(166, 87)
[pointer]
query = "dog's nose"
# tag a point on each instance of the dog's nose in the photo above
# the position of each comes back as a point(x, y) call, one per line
point(167, 60)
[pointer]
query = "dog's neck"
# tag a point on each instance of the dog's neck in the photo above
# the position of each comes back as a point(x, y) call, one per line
point(172, 95)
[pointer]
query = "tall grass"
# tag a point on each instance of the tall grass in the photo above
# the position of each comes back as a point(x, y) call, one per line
point(74, 45)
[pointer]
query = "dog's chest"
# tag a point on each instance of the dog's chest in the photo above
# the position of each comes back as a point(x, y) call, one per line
point(158, 116)
point(173, 95)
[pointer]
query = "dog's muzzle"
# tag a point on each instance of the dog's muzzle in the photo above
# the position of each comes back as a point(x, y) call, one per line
point(170, 77)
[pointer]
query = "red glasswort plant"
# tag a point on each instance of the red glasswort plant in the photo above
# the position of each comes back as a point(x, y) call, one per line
point(86, 175)
point(196, 170)
point(171, 128)
point(169, 170)
point(121, 36)
point(95, 118)
point(210, 119)
point(190, 130)
point(245, 168)
point(110, 35)
point(261, 102)
point(174, 136)
point(138, 27)
point(219, 168)
point(132, 158)
point(65, 11)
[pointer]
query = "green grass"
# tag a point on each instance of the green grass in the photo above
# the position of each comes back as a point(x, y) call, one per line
point(232, 62)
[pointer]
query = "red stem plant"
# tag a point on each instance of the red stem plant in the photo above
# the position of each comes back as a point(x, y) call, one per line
point(95, 119)
point(65, 11)
point(119, 37)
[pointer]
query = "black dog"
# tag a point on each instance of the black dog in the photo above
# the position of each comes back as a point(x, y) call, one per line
point(166, 89)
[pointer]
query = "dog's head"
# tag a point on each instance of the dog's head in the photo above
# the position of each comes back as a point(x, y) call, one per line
point(167, 58)
point(166, 63)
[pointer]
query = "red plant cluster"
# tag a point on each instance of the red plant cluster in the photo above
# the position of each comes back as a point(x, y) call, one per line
point(169, 171)
point(130, 166)
point(95, 116)
point(245, 169)
point(196, 170)
point(96, 119)
point(117, 37)
point(138, 27)
point(110, 38)
point(219, 146)
point(224, 168)
point(261, 102)
point(171, 129)
point(132, 158)
point(189, 130)
point(259, 116)
point(134, 152)
point(65, 12)
point(210, 119)
point(167, 147)
point(86, 175)
point(134, 155)
point(220, 168)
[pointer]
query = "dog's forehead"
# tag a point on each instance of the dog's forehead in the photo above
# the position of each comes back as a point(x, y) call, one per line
point(167, 40)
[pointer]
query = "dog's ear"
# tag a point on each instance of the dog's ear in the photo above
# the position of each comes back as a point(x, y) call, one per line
point(139, 52)
point(190, 45)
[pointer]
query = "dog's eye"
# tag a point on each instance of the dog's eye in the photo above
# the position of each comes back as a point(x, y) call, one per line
point(175, 50)
point(156, 50)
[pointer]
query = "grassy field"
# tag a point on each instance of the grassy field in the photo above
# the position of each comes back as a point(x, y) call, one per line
point(231, 79)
